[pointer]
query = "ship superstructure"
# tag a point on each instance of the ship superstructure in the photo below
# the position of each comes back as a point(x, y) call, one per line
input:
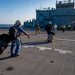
point(64, 13)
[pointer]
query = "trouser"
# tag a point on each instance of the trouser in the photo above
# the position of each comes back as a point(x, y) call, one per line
point(51, 37)
point(16, 43)
point(63, 30)
point(55, 29)
point(37, 30)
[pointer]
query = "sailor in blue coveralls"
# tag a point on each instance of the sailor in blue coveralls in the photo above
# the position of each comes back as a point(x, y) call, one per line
point(17, 42)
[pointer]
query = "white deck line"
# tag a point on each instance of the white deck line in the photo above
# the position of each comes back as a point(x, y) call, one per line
point(60, 39)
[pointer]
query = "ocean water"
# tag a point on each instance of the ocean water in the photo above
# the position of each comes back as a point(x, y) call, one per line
point(6, 25)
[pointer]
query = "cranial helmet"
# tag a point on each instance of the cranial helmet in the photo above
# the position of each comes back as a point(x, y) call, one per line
point(50, 22)
point(17, 22)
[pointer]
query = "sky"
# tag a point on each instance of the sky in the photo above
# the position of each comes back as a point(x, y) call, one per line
point(23, 10)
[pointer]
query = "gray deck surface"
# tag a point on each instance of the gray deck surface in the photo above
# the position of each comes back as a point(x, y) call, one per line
point(37, 57)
